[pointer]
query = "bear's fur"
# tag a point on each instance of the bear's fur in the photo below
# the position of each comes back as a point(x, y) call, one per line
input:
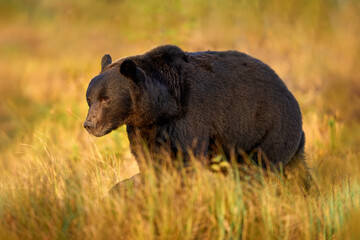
point(204, 102)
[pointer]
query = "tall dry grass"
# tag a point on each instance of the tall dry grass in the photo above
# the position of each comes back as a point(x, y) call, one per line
point(55, 177)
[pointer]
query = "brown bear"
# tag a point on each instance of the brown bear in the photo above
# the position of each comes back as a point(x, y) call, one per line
point(204, 102)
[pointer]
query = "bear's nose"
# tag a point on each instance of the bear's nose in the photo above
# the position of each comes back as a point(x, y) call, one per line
point(88, 125)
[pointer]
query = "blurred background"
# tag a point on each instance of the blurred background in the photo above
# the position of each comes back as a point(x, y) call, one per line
point(50, 50)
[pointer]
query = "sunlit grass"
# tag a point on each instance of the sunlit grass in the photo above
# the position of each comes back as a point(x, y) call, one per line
point(53, 196)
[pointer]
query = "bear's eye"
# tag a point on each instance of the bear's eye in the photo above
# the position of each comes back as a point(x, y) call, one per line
point(106, 100)
point(88, 100)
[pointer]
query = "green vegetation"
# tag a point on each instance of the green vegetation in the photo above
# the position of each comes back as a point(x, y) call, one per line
point(55, 177)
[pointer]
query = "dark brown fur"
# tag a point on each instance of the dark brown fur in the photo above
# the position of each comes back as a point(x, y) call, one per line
point(206, 102)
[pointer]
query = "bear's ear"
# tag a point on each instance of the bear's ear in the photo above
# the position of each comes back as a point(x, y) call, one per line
point(128, 69)
point(106, 60)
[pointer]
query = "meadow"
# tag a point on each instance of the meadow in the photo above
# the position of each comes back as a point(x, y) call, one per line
point(55, 177)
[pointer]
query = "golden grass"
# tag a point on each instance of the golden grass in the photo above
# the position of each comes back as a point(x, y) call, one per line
point(55, 177)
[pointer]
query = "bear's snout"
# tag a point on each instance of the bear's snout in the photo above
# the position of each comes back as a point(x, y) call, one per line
point(88, 125)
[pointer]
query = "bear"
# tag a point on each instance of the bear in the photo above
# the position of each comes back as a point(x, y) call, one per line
point(206, 103)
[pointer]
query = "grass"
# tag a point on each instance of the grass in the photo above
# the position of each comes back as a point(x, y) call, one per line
point(55, 177)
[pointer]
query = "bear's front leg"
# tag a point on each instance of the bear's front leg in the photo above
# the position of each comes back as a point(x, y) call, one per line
point(127, 185)
point(191, 139)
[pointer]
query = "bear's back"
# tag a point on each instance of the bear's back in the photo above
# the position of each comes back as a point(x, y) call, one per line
point(246, 103)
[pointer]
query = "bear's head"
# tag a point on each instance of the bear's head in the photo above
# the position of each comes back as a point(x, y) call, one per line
point(123, 94)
